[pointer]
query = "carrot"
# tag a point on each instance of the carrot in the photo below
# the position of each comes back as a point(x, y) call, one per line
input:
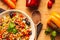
point(14, 1)
point(56, 15)
point(55, 20)
point(9, 3)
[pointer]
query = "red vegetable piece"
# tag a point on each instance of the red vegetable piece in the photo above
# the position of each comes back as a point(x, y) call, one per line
point(21, 16)
point(0, 36)
point(7, 38)
point(14, 14)
point(50, 4)
point(27, 35)
point(22, 25)
point(32, 3)
point(53, 1)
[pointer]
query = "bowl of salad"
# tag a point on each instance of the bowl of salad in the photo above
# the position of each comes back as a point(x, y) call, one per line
point(16, 25)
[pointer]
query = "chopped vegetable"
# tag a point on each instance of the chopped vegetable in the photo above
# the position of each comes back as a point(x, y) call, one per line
point(0, 36)
point(11, 25)
point(14, 31)
point(48, 31)
point(9, 30)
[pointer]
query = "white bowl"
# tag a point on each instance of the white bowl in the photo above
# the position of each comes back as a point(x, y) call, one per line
point(32, 24)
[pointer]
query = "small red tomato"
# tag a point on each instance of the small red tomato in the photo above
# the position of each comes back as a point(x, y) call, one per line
point(53, 1)
point(50, 4)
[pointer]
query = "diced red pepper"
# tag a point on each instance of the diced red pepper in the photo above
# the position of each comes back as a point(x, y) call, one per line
point(0, 36)
point(14, 14)
point(21, 16)
point(27, 35)
point(22, 25)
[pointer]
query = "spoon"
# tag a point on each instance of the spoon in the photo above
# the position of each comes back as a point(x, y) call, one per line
point(36, 17)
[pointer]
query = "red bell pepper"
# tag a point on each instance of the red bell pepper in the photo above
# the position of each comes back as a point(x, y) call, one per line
point(32, 3)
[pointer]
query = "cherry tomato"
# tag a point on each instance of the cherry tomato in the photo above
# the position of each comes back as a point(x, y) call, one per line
point(50, 4)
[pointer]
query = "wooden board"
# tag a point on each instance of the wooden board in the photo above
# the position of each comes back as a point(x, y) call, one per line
point(45, 12)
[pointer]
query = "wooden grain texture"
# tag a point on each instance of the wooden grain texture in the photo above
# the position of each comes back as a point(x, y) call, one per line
point(45, 12)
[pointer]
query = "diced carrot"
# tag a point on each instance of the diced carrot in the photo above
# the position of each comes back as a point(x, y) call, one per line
point(22, 24)
point(2, 31)
point(9, 3)
point(56, 21)
point(21, 16)
point(11, 37)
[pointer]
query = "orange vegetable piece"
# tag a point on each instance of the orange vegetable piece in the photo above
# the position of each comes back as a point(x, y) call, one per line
point(56, 15)
point(56, 21)
point(14, 1)
point(9, 3)
point(21, 16)
point(11, 37)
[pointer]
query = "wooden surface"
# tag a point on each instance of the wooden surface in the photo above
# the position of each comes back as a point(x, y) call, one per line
point(45, 12)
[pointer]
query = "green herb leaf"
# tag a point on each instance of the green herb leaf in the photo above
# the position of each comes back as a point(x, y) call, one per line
point(48, 31)
point(11, 25)
point(14, 31)
point(9, 30)
point(53, 34)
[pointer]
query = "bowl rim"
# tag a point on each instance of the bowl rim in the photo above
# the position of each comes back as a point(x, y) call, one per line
point(32, 37)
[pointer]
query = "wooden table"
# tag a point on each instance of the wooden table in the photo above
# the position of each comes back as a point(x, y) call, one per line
point(45, 12)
